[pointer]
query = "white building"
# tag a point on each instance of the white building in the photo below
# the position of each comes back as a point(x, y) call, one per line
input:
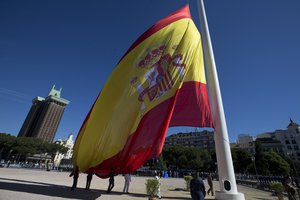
point(290, 139)
point(69, 143)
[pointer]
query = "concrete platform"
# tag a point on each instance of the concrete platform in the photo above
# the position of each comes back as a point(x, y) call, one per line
point(30, 184)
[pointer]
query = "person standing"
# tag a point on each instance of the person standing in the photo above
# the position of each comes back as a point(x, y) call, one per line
point(88, 181)
point(290, 189)
point(75, 174)
point(210, 184)
point(157, 177)
point(127, 178)
point(197, 188)
point(111, 182)
point(8, 163)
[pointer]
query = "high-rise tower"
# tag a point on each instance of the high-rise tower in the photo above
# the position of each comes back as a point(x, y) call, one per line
point(44, 116)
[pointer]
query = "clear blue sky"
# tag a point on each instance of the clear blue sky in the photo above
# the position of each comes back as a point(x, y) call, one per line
point(76, 44)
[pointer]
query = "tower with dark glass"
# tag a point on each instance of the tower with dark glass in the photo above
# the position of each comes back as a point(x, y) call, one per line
point(44, 116)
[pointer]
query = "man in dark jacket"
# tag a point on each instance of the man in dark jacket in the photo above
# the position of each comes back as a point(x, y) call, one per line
point(197, 188)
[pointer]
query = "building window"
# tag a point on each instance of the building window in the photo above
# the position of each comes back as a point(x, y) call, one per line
point(296, 147)
point(287, 142)
point(294, 142)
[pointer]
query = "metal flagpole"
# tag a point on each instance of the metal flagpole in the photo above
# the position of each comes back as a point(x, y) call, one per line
point(228, 188)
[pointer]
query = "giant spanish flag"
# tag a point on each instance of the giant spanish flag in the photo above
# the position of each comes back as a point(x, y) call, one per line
point(159, 82)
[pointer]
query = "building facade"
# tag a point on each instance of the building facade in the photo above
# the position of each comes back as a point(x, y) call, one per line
point(69, 143)
point(289, 139)
point(44, 116)
point(244, 139)
point(203, 140)
point(250, 147)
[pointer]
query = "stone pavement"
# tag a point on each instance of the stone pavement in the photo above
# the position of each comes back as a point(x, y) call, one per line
point(31, 184)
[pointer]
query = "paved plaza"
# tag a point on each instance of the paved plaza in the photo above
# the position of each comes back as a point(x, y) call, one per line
point(29, 184)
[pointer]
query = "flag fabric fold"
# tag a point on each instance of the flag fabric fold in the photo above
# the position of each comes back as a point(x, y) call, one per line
point(159, 82)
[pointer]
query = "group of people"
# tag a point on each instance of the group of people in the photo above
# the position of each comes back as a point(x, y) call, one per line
point(197, 188)
point(75, 175)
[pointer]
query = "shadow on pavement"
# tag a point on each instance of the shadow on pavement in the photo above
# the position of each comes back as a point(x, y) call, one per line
point(182, 198)
point(17, 180)
point(121, 193)
point(53, 190)
point(62, 191)
point(49, 190)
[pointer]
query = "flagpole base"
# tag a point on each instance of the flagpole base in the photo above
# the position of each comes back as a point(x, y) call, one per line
point(229, 196)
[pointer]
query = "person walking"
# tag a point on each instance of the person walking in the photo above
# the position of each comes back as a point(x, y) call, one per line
point(111, 182)
point(88, 180)
point(197, 188)
point(210, 184)
point(127, 178)
point(75, 174)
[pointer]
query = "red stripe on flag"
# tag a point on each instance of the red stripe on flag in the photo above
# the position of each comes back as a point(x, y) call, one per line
point(192, 106)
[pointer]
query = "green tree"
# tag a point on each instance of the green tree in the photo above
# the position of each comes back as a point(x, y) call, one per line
point(187, 157)
point(192, 158)
point(294, 165)
point(269, 162)
point(241, 160)
point(275, 164)
point(259, 162)
point(6, 143)
point(213, 162)
point(160, 164)
point(22, 147)
point(171, 154)
point(206, 160)
point(25, 146)
point(182, 161)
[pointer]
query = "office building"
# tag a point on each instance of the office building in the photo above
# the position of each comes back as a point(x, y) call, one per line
point(44, 116)
point(203, 140)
